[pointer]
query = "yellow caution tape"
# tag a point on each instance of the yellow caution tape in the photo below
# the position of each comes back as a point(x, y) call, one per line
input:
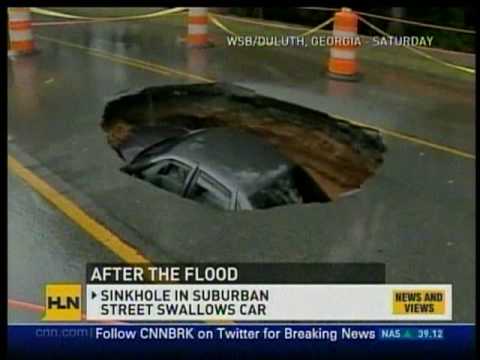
point(41, 11)
point(419, 52)
point(418, 23)
point(318, 27)
point(442, 62)
point(396, 19)
point(227, 30)
point(261, 23)
point(54, 13)
point(215, 21)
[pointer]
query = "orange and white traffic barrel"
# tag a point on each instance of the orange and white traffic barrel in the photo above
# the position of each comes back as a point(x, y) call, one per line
point(25, 90)
point(343, 63)
point(20, 32)
point(197, 61)
point(198, 27)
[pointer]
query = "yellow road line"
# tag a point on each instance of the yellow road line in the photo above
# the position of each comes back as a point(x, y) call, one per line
point(81, 218)
point(410, 138)
point(77, 215)
point(105, 55)
point(167, 71)
point(140, 66)
point(164, 70)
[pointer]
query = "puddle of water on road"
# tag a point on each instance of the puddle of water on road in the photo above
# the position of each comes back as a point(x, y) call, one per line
point(339, 156)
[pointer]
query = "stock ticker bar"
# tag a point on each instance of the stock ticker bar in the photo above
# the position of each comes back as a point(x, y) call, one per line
point(285, 341)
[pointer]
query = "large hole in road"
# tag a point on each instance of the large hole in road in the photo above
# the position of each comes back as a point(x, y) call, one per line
point(229, 147)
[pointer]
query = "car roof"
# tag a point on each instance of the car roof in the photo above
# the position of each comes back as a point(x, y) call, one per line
point(236, 158)
point(143, 138)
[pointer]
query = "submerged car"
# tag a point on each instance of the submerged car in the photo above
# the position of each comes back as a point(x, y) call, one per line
point(226, 168)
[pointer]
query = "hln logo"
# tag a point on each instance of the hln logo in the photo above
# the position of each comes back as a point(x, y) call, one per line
point(63, 302)
point(71, 302)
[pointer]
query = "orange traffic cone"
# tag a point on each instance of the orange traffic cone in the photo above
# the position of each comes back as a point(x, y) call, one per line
point(198, 27)
point(343, 63)
point(20, 32)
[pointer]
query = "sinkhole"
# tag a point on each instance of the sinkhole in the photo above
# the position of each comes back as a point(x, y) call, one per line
point(231, 148)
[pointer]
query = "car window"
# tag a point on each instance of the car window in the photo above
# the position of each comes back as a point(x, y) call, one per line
point(155, 149)
point(281, 192)
point(209, 191)
point(170, 175)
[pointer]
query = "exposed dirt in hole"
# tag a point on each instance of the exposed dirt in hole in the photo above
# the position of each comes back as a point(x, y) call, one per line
point(338, 155)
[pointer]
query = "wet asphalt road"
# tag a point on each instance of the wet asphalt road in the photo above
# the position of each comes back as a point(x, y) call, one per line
point(416, 215)
point(43, 246)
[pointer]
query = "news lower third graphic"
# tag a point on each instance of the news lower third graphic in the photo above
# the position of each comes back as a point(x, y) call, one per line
point(165, 292)
point(283, 308)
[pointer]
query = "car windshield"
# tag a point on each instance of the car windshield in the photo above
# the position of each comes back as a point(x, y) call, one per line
point(282, 191)
point(156, 148)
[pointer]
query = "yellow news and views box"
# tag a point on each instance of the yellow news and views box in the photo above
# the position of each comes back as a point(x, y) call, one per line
point(419, 301)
